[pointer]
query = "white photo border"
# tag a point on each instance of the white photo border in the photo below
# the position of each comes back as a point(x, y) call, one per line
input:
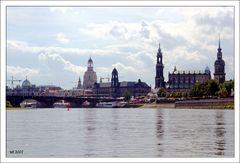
point(5, 4)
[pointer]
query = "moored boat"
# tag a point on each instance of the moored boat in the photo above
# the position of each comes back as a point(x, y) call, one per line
point(61, 104)
point(106, 104)
point(114, 104)
point(121, 104)
point(29, 104)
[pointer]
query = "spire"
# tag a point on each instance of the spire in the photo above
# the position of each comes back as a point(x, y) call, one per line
point(79, 86)
point(219, 44)
point(159, 47)
point(175, 69)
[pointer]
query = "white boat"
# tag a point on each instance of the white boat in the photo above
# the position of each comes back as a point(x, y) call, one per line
point(61, 104)
point(114, 104)
point(86, 104)
point(121, 104)
point(29, 104)
point(106, 104)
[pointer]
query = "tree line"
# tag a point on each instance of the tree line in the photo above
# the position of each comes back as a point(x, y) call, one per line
point(206, 89)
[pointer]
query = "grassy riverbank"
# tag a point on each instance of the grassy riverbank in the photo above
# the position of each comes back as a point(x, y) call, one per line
point(17, 108)
point(224, 103)
point(172, 105)
point(157, 106)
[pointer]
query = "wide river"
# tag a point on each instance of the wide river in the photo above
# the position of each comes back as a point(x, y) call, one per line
point(120, 133)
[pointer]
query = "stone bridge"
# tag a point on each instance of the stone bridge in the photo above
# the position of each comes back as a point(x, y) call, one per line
point(48, 101)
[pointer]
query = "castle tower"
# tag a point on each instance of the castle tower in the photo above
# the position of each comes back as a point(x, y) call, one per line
point(114, 83)
point(219, 66)
point(90, 76)
point(159, 79)
point(114, 80)
point(79, 86)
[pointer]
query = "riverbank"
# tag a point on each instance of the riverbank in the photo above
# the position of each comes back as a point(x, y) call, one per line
point(157, 106)
point(17, 108)
point(221, 103)
point(227, 103)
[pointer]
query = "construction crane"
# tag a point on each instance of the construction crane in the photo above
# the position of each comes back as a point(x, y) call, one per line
point(13, 80)
point(108, 78)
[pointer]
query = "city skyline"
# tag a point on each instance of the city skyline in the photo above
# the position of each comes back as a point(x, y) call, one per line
point(53, 44)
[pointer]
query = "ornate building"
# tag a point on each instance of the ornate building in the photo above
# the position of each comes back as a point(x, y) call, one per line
point(159, 79)
point(90, 76)
point(219, 66)
point(183, 80)
point(118, 89)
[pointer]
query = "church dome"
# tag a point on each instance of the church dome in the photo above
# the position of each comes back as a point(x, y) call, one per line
point(115, 72)
point(207, 70)
point(26, 83)
point(90, 60)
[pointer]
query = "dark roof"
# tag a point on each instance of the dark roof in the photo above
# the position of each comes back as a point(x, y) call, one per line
point(123, 84)
point(90, 60)
point(127, 84)
point(104, 85)
point(115, 71)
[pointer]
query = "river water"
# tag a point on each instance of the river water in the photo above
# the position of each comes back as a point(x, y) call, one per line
point(120, 133)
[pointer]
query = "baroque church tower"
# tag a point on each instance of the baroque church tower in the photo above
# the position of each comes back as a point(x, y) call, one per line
point(219, 66)
point(159, 79)
point(90, 76)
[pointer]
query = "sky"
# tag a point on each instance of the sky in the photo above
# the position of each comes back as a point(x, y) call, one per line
point(51, 45)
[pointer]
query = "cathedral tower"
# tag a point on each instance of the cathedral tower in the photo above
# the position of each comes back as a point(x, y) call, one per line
point(219, 66)
point(90, 76)
point(115, 83)
point(159, 79)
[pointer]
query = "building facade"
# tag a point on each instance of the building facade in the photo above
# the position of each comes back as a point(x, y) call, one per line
point(119, 89)
point(180, 80)
point(159, 79)
point(90, 76)
point(219, 66)
point(184, 80)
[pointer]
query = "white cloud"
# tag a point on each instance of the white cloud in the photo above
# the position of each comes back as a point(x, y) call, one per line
point(21, 72)
point(26, 48)
point(182, 53)
point(61, 38)
point(57, 60)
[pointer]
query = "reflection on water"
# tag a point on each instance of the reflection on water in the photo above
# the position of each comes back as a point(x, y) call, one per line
point(220, 133)
point(159, 132)
point(121, 133)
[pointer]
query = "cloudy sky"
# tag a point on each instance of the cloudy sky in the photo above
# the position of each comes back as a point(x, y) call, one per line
point(51, 45)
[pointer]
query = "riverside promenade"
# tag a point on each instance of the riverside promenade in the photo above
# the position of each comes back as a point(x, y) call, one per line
point(221, 103)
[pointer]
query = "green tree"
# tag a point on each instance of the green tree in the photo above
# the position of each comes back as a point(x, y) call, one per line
point(127, 96)
point(197, 90)
point(229, 85)
point(212, 87)
point(161, 92)
point(176, 94)
point(223, 92)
